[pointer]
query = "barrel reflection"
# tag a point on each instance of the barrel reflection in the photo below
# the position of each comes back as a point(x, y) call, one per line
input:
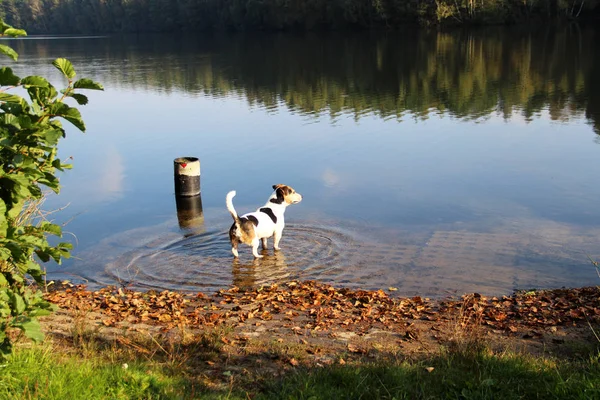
point(189, 213)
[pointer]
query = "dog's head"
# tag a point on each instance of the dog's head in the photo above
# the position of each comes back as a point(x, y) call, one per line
point(285, 194)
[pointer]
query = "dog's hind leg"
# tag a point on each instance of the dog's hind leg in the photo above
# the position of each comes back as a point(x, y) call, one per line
point(264, 243)
point(255, 243)
point(234, 240)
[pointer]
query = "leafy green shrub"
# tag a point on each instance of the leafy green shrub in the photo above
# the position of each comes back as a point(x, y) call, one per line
point(29, 136)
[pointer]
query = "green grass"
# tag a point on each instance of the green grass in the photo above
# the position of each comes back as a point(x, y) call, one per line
point(455, 376)
point(40, 373)
point(43, 372)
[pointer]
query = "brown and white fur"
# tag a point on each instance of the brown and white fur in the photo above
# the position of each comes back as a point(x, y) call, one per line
point(267, 221)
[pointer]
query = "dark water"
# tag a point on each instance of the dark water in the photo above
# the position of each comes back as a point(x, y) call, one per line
point(432, 162)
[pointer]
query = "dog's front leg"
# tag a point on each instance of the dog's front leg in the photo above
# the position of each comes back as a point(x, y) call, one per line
point(264, 243)
point(277, 238)
point(255, 248)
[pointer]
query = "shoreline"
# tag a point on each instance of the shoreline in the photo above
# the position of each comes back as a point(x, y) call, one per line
point(321, 313)
point(302, 295)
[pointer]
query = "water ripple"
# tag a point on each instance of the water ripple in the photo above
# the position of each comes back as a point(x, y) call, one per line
point(425, 262)
point(204, 261)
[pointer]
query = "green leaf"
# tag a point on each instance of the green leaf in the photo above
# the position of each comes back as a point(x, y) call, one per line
point(18, 278)
point(35, 190)
point(57, 164)
point(87, 84)
point(4, 26)
point(5, 346)
point(52, 137)
point(51, 228)
point(81, 99)
point(65, 67)
point(3, 221)
point(10, 98)
point(55, 254)
point(31, 329)
point(34, 269)
point(5, 253)
point(8, 78)
point(65, 245)
point(69, 113)
point(40, 312)
point(9, 119)
point(24, 121)
point(17, 303)
point(16, 208)
point(43, 255)
point(42, 95)
point(9, 52)
point(50, 181)
point(18, 160)
point(33, 240)
point(15, 32)
point(20, 193)
point(36, 109)
point(35, 81)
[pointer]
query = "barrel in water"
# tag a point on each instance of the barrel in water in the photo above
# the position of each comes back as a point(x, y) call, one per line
point(187, 176)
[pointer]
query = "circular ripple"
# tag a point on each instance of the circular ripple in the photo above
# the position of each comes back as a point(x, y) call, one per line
point(425, 262)
point(204, 261)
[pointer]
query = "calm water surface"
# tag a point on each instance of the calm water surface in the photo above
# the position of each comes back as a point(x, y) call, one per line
point(437, 163)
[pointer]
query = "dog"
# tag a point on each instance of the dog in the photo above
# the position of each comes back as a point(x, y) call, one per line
point(267, 221)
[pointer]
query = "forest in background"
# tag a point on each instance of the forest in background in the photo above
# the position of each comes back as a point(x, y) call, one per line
point(137, 16)
point(414, 73)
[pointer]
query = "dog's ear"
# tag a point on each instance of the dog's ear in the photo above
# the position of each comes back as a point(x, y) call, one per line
point(279, 192)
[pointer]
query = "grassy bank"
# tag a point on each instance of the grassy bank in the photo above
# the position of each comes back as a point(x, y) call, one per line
point(450, 376)
point(43, 372)
point(470, 372)
point(306, 340)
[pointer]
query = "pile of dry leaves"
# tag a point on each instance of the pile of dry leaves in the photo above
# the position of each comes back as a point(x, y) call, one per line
point(320, 307)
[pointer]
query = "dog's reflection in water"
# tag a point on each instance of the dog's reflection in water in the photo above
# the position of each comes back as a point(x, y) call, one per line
point(269, 269)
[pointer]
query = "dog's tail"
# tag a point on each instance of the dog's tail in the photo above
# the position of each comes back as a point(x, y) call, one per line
point(229, 202)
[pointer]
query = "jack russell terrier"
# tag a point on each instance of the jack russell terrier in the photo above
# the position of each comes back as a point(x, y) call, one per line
point(267, 221)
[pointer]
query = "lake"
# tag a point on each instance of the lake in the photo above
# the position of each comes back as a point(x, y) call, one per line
point(436, 163)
